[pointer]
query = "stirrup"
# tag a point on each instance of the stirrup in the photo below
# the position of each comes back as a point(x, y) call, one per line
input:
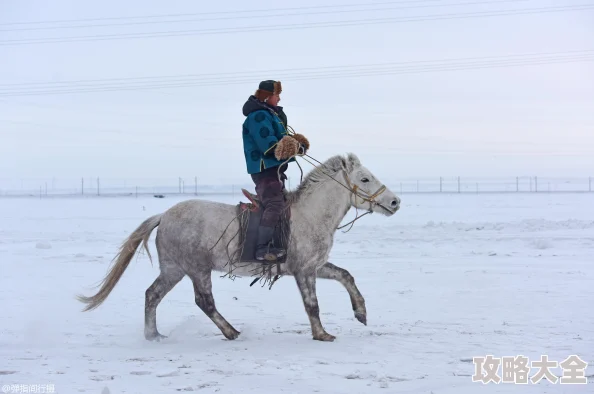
point(269, 254)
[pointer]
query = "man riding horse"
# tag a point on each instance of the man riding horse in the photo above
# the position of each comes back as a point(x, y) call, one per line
point(268, 149)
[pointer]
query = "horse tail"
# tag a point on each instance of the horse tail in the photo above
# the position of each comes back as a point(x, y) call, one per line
point(122, 260)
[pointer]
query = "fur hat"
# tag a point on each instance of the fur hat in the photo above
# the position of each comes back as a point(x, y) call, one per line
point(268, 88)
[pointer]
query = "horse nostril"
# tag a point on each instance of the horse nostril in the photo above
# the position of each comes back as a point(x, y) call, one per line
point(394, 203)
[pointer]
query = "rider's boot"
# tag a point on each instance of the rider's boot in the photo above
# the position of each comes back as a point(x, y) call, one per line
point(265, 251)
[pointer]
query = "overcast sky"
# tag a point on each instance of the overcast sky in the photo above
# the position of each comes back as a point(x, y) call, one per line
point(420, 120)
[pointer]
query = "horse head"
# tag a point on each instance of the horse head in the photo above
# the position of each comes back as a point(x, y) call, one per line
point(368, 192)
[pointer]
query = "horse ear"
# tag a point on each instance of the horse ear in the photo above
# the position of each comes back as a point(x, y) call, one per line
point(344, 164)
point(353, 162)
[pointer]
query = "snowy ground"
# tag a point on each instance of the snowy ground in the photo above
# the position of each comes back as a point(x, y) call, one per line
point(448, 278)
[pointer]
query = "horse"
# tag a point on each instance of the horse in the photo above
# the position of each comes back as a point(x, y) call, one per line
point(193, 239)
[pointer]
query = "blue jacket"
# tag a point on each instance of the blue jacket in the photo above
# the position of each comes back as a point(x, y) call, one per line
point(262, 130)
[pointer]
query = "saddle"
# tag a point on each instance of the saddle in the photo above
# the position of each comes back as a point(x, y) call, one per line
point(254, 204)
point(252, 211)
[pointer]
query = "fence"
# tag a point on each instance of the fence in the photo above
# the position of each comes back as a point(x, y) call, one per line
point(191, 186)
point(530, 184)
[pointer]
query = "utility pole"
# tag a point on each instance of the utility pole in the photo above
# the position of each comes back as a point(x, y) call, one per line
point(517, 184)
point(82, 185)
point(440, 184)
point(458, 184)
point(536, 184)
point(98, 187)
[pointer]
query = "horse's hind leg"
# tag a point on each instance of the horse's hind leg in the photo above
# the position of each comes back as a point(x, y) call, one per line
point(330, 271)
point(203, 294)
point(170, 276)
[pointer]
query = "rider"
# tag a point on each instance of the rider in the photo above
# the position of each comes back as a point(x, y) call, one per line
point(268, 146)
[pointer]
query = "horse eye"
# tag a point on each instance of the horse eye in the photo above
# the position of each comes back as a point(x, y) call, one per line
point(364, 180)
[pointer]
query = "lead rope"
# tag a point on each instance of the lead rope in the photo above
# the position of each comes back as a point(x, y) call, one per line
point(352, 190)
point(354, 193)
point(290, 131)
point(357, 217)
point(370, 198)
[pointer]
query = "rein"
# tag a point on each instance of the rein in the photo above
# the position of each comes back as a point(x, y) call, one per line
point(353, 189)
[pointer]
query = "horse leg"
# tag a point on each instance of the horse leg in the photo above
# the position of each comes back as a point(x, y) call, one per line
point(170, 276)
point(307, 286)
point(330, 271)
point(202, 281)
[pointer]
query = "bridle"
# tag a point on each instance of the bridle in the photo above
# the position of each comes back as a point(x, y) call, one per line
point(370, 198)
point(355, 191)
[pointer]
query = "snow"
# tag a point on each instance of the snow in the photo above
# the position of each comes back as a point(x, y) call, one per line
point(448, 278)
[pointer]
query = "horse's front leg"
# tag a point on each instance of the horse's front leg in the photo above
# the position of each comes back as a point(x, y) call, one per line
point(307, 286)
point(330, 271)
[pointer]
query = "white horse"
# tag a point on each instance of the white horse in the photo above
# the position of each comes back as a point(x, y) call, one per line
point(194, 238)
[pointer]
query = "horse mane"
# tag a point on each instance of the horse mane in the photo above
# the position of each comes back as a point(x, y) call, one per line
point(319, 175)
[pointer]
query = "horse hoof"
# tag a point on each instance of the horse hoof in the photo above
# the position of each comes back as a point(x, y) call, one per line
point(232, 335)
point(325, 337)
point(361, 317)
point(156, 337)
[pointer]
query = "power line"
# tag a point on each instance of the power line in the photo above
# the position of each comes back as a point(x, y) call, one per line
point(251, 11)
point(404, 68)
point(299, 26)
point(334, 12)
point(182, 84)
point(216, 76)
